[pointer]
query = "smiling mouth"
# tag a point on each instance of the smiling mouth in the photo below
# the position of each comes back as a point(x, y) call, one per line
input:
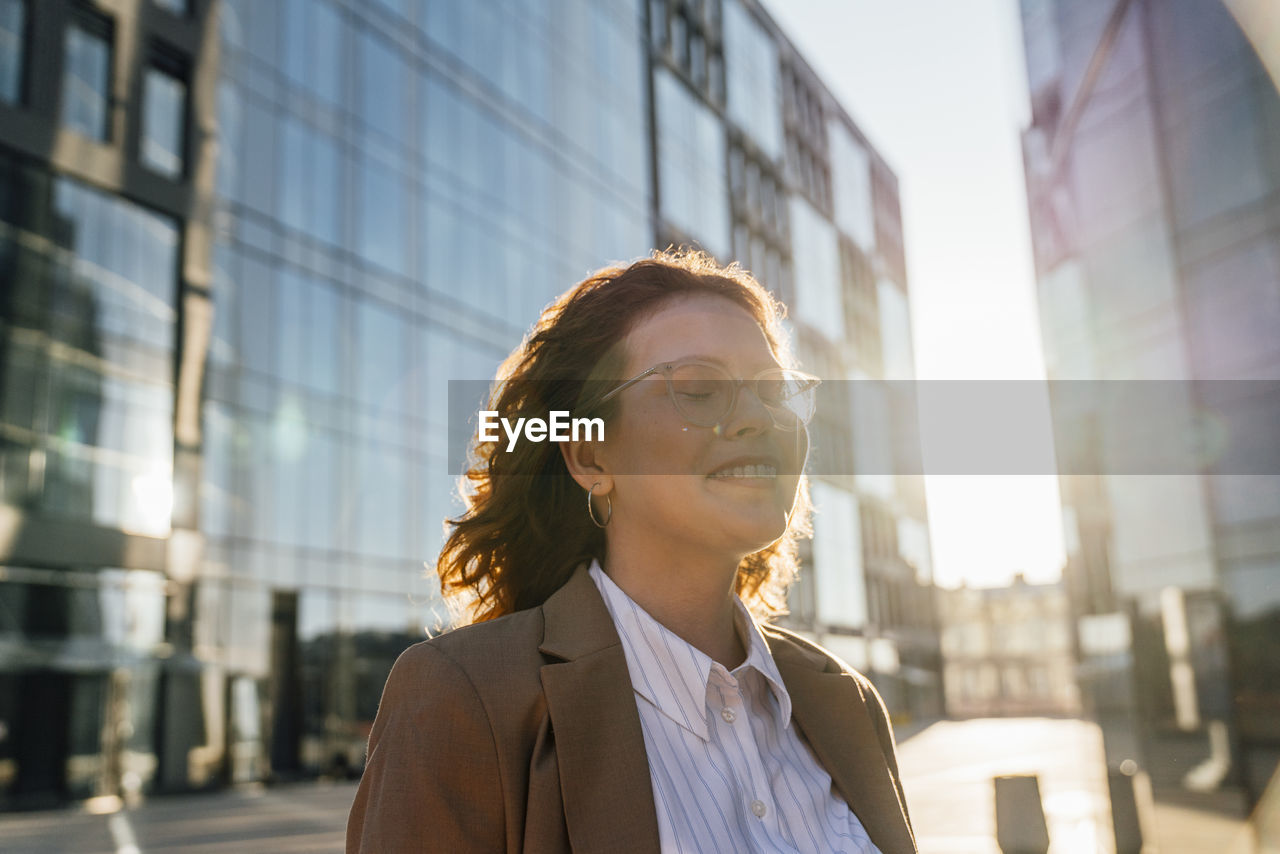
point(755, 472)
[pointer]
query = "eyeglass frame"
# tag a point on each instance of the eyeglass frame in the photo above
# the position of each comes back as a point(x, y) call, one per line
point(665, 368)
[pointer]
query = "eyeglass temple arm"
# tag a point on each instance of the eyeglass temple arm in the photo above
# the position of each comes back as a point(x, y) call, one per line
point(629, 383)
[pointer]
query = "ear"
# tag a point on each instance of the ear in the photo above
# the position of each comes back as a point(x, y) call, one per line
point(586, 466)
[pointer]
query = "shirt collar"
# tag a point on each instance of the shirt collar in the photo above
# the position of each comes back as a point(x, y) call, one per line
point(759, 657)
point(671, 673)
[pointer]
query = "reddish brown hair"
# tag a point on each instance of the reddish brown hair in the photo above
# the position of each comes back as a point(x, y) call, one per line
point(525, 527)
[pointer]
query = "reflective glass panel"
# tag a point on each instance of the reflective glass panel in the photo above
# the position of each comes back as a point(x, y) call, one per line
point(382, 495)
point(313, 48)
point(382, 363)
point(383, 78)
point(383, 215)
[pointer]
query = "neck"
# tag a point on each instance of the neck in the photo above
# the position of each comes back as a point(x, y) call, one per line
point(690, 595)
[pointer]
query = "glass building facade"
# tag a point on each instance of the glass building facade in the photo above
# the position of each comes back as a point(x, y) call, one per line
point(244, 247)
point(1152, 170)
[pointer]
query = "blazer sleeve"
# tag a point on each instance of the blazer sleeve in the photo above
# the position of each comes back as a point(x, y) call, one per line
point(432, 780)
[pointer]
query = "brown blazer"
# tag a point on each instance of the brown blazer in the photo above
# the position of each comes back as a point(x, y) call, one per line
point(522, 734)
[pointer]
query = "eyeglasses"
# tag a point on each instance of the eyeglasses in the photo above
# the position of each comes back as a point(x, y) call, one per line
point(705, 394)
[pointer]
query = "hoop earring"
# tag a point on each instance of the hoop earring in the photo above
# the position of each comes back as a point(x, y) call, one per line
point(591, 510)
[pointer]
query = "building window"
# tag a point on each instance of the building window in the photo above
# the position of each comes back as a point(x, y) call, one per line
point(692, 166)
point(13, 20)
point(686, 37)
point(658, 23)
point(754, 81)
point(680, 41)
point(177, 7)
point(715, 78)
point(698, 60)
point(164, 110)
point(86, 81)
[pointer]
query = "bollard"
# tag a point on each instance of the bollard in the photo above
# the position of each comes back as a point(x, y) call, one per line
point(1020, 824)
point(1125, 817)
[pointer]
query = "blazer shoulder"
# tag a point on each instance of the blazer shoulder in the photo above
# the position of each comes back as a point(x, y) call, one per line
point(496, 652)
point(820, 656)
point(823, 658)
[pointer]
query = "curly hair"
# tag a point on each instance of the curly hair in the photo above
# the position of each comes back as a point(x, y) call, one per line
point(524, 530)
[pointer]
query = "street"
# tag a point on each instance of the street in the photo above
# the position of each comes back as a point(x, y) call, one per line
point(947, 770)
point(304, 817)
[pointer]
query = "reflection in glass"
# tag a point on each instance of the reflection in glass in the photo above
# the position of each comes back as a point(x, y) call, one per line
point(227, 161)
point(257, 311)
point(322, 509)
point(308, 342)
point(383, 215)
point(257, 184)
point(313, 48)
point(95, 351)
point(383, 75)
point(382, 358)
point(381, 499)
point(310, 180)
point(217, 493)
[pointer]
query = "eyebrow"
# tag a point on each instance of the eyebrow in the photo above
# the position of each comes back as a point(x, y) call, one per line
point(700, 357)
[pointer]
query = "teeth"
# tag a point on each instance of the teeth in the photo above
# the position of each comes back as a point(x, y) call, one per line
point(748, 471)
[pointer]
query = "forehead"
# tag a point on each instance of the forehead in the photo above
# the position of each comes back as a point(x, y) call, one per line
point(704, 325)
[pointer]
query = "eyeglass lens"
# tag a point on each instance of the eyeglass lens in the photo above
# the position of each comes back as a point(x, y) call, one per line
point(704, 395)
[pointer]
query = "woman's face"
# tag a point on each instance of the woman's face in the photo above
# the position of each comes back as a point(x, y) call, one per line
point(682, 486)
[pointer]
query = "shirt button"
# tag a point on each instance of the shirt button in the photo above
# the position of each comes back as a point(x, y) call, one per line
point(758, 809)
point(728, 715)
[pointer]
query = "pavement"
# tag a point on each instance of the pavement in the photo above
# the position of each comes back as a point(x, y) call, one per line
point(286, 819)
point(947, 770)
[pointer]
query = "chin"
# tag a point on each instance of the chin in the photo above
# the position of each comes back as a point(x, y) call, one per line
point(761, 532)
point(753, 518)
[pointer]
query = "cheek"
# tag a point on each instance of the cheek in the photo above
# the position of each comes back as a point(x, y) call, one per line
point(654, 442)
point(670, 449)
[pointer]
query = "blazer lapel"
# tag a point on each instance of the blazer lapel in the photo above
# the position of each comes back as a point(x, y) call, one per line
point(604, 770)
point(832, 714)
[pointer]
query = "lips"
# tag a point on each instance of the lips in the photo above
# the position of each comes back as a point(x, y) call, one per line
point(746, 467)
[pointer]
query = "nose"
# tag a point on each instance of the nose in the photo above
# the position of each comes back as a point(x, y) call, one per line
point(749, 416)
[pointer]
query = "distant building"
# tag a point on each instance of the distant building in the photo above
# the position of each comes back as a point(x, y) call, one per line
point(243, 247)
point(1008, 650)
point(1153, 179)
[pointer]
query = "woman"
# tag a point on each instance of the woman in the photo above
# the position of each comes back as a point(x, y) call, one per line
point(613, 692)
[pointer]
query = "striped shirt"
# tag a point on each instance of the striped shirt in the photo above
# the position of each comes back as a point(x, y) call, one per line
point(729, 771)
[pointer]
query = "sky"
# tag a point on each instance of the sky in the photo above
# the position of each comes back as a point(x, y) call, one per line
point(939, 90)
